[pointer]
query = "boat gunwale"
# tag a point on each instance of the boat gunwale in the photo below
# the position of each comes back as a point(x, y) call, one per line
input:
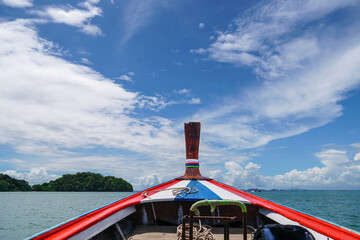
point(321, 226)
point(76, 225)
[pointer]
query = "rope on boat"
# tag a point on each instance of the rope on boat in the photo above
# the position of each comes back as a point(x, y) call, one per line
point(200, 232)
point(253, 231)
point(153, 208)
point(179, 192)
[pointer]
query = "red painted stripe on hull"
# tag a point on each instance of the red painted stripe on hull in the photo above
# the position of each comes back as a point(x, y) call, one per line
point(78, 225)
point(318, 225)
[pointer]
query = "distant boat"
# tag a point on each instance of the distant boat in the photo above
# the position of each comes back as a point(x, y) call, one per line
point(254, 190)
point(196, 207)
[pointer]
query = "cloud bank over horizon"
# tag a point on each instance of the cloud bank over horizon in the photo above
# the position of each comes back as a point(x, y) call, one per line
point(338, 172)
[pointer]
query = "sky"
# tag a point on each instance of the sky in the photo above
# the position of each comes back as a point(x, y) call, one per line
point(106, 86)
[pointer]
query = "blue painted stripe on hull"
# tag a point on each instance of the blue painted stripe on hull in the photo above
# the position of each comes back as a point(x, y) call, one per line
point(202, 193)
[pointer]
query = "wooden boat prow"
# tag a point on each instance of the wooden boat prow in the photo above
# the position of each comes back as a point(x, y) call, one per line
point(156, 212)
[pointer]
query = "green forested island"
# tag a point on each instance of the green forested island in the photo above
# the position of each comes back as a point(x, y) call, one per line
point(81, 181)
point(8, 183)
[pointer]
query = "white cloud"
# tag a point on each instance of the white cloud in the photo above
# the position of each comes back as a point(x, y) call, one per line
point(86, 61)
point(355, 145)
point(149, 181)
point(55, 110)
point(332, 157)
point(201, 25)
point(338, 172)
point(247, 176)
point(125, 78)
point(35, 176)
point(195, 100)
point(40, 149)
point(17, 3)
point(90, 29)
point(264, 37)
point(154, 103)
point(182, 91)
point(305, 74)
point(52, 107)
point(188, 98)
point(290, 56)
point(200, 51)
point(73, 16)
point(286, 107)
point(357, 156)
point(137, 14)
point(52, 104)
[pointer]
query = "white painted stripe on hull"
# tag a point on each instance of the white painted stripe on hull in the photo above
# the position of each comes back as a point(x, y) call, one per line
point(166, 194)
point(104, 224)
point(223, 193)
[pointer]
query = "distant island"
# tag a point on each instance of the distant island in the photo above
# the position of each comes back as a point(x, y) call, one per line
point(79, 182)
point(8, 184)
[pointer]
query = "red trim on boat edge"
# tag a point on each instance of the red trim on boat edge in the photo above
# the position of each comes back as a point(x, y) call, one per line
point(70, 229)
point(318, 225)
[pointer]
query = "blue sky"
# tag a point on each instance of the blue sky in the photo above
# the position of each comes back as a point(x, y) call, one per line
point(105, 86)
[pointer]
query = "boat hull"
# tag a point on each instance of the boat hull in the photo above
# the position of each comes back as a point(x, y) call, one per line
point(164, 207)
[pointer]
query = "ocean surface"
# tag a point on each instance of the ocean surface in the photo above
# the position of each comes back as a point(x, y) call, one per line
point(339, 207)
point(23, 214)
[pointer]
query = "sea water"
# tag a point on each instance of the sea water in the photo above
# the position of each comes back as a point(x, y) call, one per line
point(23, 214)
point(339, 207)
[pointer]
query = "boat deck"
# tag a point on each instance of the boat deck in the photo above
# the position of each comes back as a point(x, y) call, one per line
point(156, 232)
